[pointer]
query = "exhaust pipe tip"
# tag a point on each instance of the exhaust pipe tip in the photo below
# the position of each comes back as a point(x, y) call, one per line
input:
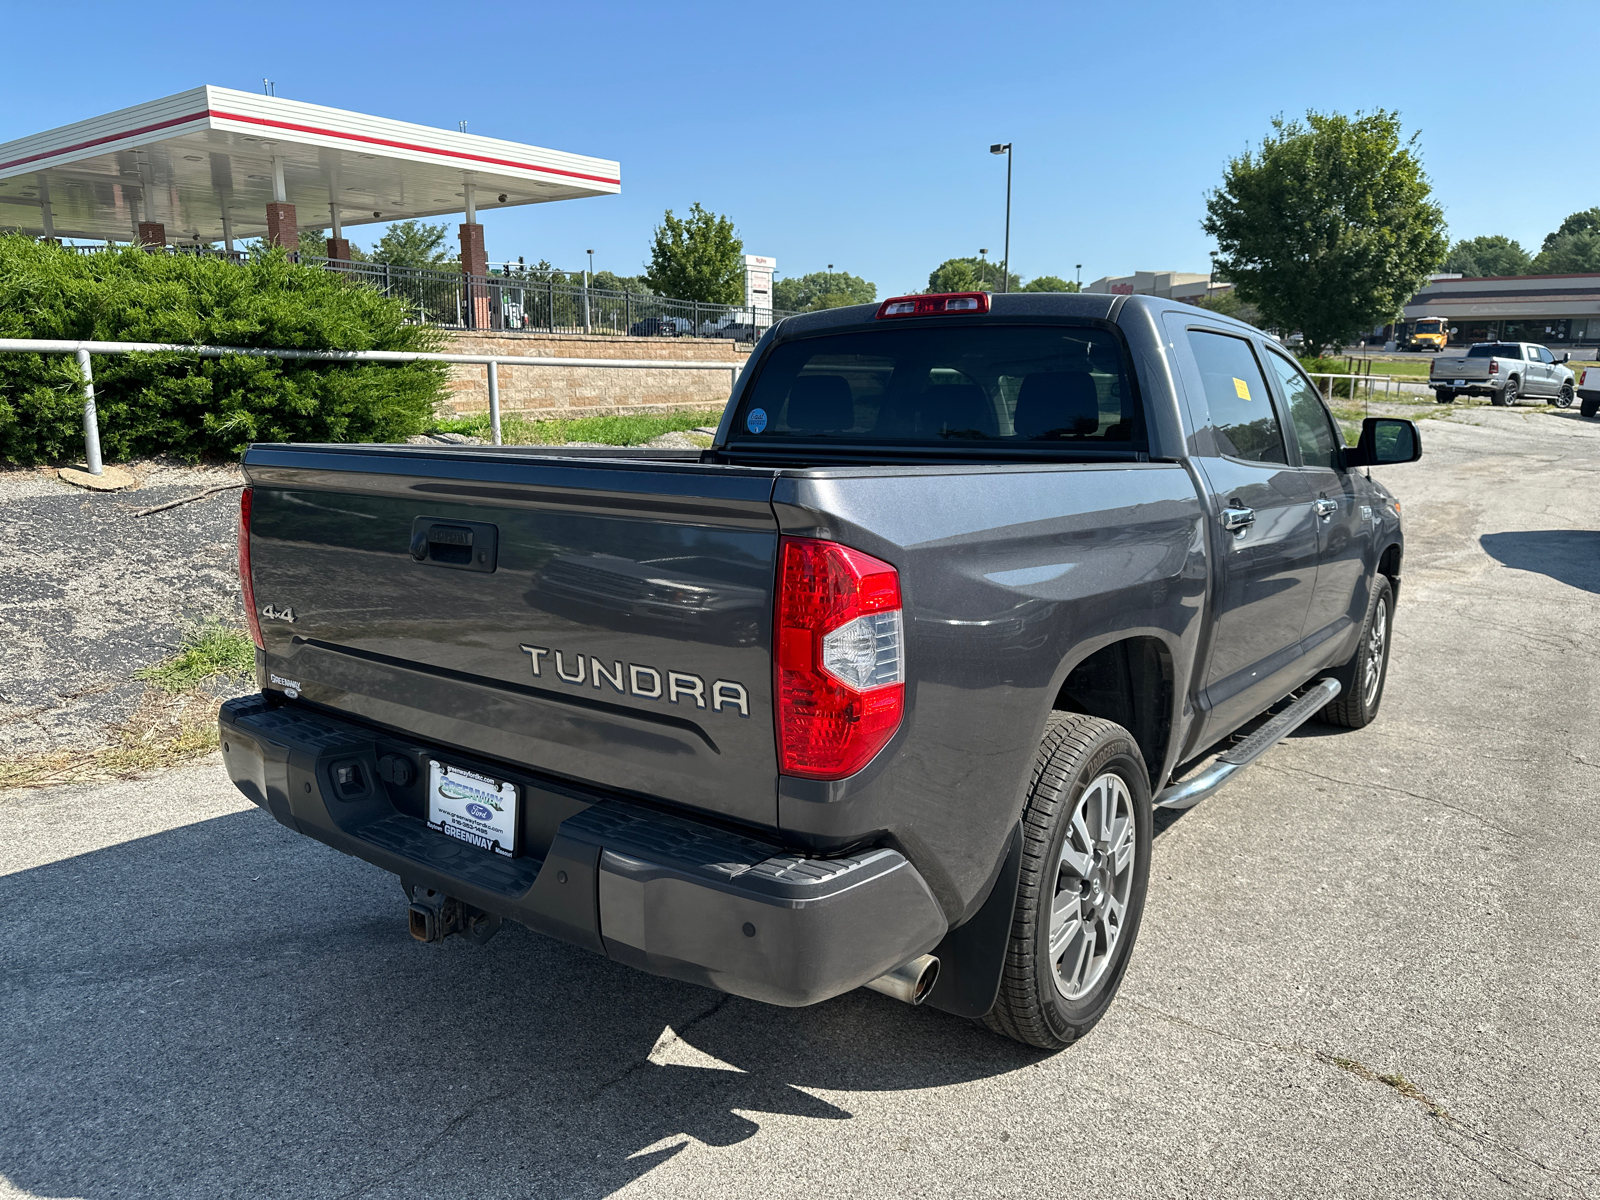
point(910, 982)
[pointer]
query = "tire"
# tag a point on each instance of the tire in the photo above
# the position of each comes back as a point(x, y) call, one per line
point(1506, 397)
point(1085, 767)
point(1564, 396)
point(1589, 407)
point(1362, 679)
point(1445, 396)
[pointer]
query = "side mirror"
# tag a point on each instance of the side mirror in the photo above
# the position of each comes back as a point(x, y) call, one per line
point(1385, 441)
point(1566, 356)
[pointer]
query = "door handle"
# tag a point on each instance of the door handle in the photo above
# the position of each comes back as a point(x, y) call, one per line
point(1237, 520)
point(1325, 507)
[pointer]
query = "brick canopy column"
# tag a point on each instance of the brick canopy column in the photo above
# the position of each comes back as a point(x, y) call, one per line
point(152, 233)
point(281, 227)
point(475, 265)
point(339, 249)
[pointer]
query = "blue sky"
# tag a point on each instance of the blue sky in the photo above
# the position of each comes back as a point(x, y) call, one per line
point(857, 134)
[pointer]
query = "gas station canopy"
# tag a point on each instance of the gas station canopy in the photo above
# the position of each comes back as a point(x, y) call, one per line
point(206, 163)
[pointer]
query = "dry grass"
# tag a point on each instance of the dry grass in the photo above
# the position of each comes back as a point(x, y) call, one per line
point(167, 729)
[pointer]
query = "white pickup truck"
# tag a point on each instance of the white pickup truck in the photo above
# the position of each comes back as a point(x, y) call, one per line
point(1505, 372)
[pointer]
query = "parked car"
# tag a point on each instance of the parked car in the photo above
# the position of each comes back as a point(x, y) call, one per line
point(661, 327)
point(736, 325)
point(1589, 397)
point(1505, 372)
point(881, 689)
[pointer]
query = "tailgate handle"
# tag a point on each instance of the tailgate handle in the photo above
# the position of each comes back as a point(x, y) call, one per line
point(463, 545)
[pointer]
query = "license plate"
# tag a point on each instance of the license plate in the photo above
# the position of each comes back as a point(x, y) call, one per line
point(474, 808)
point(1460, 383)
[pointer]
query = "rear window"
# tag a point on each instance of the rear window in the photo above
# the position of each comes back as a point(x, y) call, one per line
point(1496, 350)
point(1016, 385)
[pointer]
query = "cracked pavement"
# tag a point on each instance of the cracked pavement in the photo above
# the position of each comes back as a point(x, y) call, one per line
point(1370, 967)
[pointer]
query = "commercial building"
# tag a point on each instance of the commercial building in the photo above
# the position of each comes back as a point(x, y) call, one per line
point(1555, 310)
point(1169, 285)
point(213, 164)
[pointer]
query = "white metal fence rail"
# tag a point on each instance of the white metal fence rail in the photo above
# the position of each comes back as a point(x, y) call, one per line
point(493, 362)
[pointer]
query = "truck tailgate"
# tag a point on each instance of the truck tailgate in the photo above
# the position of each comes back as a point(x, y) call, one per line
point(600, 619)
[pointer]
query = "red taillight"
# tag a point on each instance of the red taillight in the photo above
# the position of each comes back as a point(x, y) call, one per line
point(246, 582)
point(935, 305)
point(1494, 367)
point(839, 663)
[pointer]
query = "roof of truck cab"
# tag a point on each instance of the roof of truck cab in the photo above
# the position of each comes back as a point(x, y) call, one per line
point(1092, 305)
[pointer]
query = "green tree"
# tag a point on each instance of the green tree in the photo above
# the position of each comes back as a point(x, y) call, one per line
point(698, 258)
point(1491, 255)
point(1569, 254)
point(414, 244)
point(612, 282)
point(314, 243)
point(1587, 221)
point(1049, 283)
point(1330, 227)
point(822, 289)
point(1229, 304)
point(969, 275)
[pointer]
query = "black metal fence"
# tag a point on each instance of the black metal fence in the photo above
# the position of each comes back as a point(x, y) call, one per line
point(533, 301)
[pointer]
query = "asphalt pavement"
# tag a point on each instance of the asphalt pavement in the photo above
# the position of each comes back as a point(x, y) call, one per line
point(1368, 968)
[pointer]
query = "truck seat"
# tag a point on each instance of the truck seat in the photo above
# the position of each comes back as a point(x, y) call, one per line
point(820, 404)
point(1059, 403)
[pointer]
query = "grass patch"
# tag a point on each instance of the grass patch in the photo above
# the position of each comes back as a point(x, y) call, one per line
point(633, 429)
point(210, 650)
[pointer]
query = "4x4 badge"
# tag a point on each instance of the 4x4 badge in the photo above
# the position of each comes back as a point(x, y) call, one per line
point(278, 614)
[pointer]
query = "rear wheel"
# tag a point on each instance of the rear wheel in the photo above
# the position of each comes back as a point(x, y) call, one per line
point(1590, 406)
point(1506, 396)
point(1361, 679)
point(1085, 867)
point(1564, 396)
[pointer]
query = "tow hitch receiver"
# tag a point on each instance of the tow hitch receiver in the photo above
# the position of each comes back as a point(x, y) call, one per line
point(434, 916)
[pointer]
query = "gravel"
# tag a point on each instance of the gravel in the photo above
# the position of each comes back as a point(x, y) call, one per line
point(90, 593)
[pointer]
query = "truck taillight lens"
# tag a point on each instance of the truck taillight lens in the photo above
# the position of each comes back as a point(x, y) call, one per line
point(1494, 367)
point(839, 663)
point(246, 582)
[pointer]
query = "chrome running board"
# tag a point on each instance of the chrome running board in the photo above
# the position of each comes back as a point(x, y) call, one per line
point(1191, 791)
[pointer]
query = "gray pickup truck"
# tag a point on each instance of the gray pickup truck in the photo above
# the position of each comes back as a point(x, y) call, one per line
point(882, 689)
point(1505, 372)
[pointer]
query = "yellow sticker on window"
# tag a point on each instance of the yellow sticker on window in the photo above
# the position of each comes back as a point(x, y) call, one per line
point(1242, 389)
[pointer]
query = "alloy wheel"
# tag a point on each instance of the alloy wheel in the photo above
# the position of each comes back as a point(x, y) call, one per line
point(1093, 880)
point(1372, 676)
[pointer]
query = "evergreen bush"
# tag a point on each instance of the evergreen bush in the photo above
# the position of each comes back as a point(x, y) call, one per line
point(184, 405)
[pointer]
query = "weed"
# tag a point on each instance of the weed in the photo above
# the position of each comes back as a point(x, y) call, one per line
point(209, 650)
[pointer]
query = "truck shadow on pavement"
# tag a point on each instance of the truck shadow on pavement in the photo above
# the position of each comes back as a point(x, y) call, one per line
point(1570, 556)
point(227, 1008)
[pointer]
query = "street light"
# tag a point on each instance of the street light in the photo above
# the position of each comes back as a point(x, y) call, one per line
point(1080, 277)
point(983, 268)
point(590, 253)
point(1005, 269)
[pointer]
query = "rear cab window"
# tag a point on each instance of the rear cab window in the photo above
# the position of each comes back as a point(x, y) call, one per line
point(1496, 350)
point(979, 386)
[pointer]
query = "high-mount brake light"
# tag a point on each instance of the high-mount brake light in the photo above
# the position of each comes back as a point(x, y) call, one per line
point(246, 579)
point(839, 668)
point(936, 305)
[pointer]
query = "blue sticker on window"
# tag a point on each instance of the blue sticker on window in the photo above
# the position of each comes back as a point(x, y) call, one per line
point(756, 421)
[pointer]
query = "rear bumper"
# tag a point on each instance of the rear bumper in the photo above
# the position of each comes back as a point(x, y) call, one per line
point(1473, 387)
point(658, 891)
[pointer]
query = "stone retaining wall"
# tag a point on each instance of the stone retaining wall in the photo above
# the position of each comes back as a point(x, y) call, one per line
point(589, 391)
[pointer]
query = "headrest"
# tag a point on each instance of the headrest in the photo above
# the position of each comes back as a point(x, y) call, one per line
point(820, 404)
point(1063, 403)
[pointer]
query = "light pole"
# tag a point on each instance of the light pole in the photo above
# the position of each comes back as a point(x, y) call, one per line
point(588, 282)
point(983, 268)
point(1080, 277)
point(1005, 269)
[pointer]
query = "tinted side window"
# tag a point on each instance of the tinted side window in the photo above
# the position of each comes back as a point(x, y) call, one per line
point(1241, 407)
point(1545, 356)
point(1313, 429)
